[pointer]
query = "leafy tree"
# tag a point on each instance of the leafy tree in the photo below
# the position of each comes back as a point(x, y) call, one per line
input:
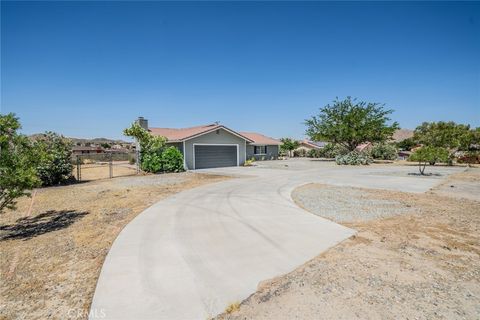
point(53, 160)
point(406, 144)
point(351, 123)
point(384, 151)
point(17, 172)
point(449, 135)
point(289, 145)
point(429, 154)
point(106, 145)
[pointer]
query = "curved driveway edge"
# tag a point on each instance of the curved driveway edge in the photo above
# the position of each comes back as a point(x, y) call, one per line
point(189, 256)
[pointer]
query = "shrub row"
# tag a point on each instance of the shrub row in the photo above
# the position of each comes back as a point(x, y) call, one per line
point(353, 158)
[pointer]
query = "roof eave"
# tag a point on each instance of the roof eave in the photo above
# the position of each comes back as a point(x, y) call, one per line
point(216, 128)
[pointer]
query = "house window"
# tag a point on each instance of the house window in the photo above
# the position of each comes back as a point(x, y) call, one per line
point(259, 150)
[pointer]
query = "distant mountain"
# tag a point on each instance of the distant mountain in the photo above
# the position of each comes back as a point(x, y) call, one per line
point(99, 141)
point(402, 134)
point(92, 141)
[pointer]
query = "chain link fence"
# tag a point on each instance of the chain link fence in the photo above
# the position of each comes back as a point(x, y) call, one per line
point(95, 166)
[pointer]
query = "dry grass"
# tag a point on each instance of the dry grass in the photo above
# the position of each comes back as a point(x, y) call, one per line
point(100, 170)
point(423, 265)
point(232, 307)
point(51, 259)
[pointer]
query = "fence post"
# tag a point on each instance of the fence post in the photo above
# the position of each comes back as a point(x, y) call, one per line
point(79, 174)
point(110, 165)
point(137, 156)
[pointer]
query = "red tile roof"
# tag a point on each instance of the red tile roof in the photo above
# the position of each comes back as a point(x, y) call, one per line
point(260, 139)
point(186, 133)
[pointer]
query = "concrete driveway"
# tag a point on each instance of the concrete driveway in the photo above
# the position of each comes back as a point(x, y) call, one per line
point(191, 255)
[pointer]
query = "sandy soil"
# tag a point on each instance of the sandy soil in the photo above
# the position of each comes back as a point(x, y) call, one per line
point(51, 258)
point(418, 265)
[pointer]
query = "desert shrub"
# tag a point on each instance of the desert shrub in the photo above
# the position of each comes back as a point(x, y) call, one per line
point(384, 151)
point(53, 158)
point(172, 160)
point(249, 162)
point(300, 153)
point(470, 157)
point(353, 158)
point(131, 159)
point(331, 151)
point(314, 153)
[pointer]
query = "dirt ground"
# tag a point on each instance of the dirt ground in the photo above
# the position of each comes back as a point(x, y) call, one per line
point(52, 249)
point(418, 265)
point(100, 170)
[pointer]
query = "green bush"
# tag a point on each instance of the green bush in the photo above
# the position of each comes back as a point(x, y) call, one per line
point(314, 153)
point(384, 151)
point(172, 160)
point(353, 158)
point(300, 153)
point(151, 162)
point(332, 151)
point(53, 161)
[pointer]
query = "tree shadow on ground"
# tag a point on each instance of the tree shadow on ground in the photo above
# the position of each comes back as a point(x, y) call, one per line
point(29, 227)
point(428, 174)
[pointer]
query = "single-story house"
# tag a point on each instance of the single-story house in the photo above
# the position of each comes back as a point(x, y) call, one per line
point(364, 147)
point(215, 145)
point(308, 145)
point(403, 155)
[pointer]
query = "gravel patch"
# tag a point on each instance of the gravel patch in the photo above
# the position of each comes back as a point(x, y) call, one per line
point(341, 205)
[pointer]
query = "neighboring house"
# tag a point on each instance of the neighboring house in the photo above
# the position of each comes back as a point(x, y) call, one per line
point(364, 147)
point(310, 145)
point(403, 155)
point(77, 150)
point(262, 147)
point(214, 145)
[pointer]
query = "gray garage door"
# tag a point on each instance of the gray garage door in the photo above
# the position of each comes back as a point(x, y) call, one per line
point(215, 156)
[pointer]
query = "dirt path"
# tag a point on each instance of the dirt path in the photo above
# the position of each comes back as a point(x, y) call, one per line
point(417, 265)
point(51, 258)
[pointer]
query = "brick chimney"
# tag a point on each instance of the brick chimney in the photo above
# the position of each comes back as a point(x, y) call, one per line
point(142, 122)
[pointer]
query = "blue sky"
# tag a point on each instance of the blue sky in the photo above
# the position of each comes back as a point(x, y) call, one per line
point(87, 69)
